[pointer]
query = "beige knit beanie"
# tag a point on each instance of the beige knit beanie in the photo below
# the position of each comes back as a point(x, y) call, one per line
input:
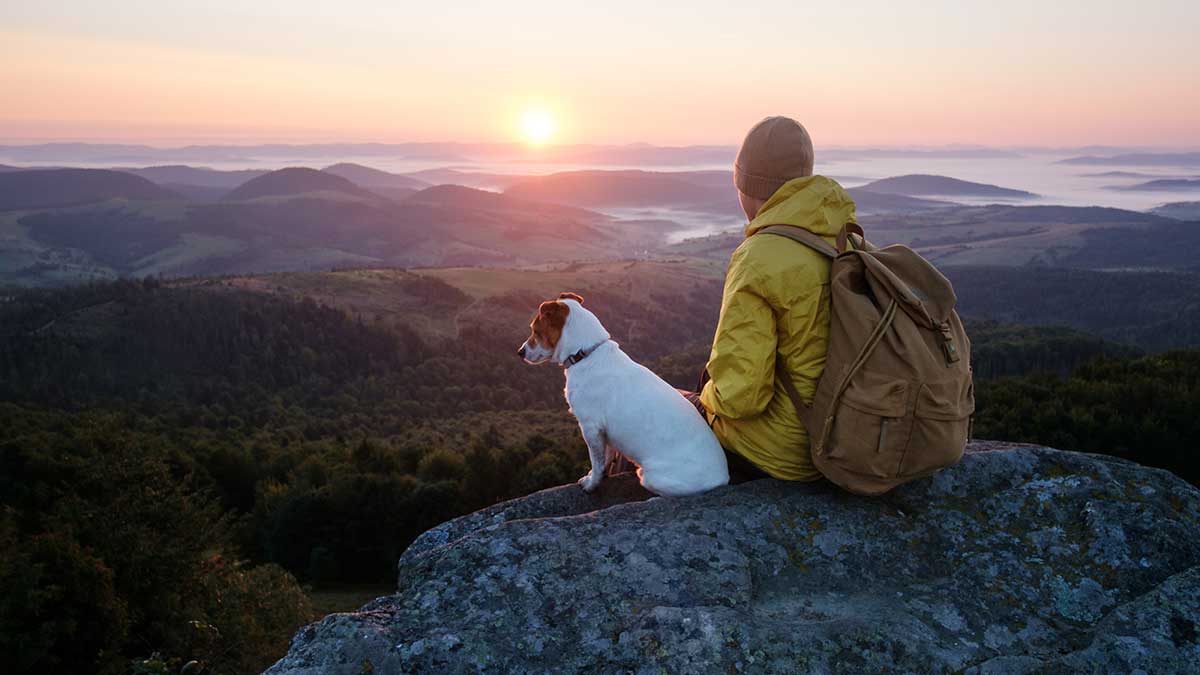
point(775, 151)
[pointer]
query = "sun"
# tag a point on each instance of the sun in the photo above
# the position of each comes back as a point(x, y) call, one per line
point(537, 126)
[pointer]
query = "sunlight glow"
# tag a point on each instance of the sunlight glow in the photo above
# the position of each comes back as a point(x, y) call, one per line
point(537, 126)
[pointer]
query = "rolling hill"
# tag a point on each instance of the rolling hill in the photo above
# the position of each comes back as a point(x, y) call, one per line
point(45, 188)
point(923, 185)
point(296, 181)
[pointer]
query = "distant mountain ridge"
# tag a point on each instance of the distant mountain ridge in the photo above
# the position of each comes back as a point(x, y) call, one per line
point(926, 185)
point(44, 188)
point(1162, 185)
point(1179, 210)
point(1139, 159)
point(457, 152)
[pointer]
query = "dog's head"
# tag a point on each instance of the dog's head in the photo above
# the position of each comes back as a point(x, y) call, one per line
point(546, 329)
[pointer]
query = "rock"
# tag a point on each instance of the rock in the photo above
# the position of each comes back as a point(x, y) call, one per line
point(1018, 560)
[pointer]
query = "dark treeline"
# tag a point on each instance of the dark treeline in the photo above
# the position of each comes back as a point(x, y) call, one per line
point(176, 460)
point(1143, 409)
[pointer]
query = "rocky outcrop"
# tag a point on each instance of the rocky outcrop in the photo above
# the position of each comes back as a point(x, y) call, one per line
point(1018, 560)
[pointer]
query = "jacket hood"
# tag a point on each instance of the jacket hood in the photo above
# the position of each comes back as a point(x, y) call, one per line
point(815, 203)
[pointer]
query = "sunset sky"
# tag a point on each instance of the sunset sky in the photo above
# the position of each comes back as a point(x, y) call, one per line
point(857, 73)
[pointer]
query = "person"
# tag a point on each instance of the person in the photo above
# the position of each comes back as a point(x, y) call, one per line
point(775, 306)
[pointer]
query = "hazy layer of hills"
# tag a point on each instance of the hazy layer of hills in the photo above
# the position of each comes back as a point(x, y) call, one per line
point(592, 154)
point(62, 225)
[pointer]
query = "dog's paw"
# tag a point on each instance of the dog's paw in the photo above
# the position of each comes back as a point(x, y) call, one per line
point(589, 482)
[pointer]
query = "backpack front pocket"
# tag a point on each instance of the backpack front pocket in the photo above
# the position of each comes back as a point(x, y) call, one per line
point(870, 427)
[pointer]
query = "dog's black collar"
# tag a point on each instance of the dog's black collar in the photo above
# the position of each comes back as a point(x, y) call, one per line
point(580, 355)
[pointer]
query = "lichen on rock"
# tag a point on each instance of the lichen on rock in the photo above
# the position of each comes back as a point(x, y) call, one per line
point(1018, 560)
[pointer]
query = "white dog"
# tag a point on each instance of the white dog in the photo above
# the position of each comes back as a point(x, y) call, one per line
point(623, 406)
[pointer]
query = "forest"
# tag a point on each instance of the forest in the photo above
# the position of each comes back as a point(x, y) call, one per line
point(182, 464)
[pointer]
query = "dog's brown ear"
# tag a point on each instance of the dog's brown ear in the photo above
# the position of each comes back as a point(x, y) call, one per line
point(568, 295)
point(553, 308)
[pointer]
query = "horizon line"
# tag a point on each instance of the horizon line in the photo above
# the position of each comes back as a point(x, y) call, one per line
point(158, 144)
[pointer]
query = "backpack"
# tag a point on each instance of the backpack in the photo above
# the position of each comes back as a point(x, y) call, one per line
point(896, 399)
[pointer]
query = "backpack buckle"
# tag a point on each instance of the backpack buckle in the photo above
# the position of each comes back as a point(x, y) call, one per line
point(949, 349)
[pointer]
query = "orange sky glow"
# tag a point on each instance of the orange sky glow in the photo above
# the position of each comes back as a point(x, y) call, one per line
point(1069, 73)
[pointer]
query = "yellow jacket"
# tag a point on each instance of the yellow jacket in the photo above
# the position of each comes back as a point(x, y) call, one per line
point(776, 301)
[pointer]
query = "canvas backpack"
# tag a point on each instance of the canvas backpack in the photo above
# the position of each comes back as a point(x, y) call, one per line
point(896, 398)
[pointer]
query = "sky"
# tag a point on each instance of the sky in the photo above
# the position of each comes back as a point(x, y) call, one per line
point(1051, 73)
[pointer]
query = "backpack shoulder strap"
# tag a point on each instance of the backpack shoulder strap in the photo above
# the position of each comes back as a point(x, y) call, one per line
point(802, 408)
point(802, 236)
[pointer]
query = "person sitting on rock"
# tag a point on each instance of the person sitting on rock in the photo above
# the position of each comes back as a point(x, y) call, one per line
point(775, 306)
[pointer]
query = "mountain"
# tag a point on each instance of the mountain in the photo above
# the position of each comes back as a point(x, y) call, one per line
point(4, 168)
point(70, 187)
point(1163, 185)
point(767, 576)
point(296, 181)
point(1179, 210)
point(374, 178)
point(943, 186)
point(1139, 159)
